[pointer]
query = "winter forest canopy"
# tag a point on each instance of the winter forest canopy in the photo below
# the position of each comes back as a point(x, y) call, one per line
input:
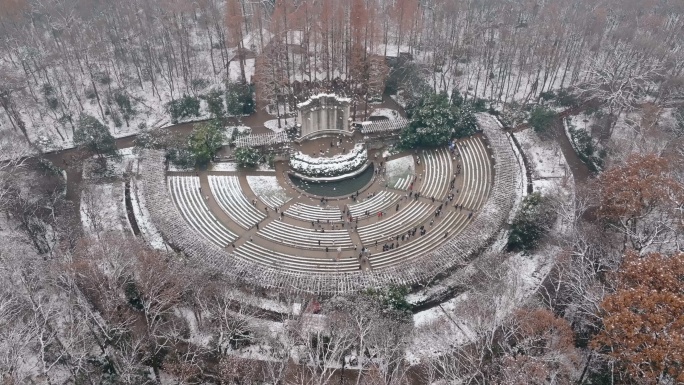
point(580, 283)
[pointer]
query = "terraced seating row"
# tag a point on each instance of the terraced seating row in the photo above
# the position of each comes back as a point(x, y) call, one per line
point(403, 183)
point(233, 202)
point(253, 252)
point(311, 213)
point(452, 222)
point(438, 172)
point(267, 189)
point(297, 236)
point(250, 266)
point(190, 202)
point(415, 213)
point(476, 172)
point(378, 202)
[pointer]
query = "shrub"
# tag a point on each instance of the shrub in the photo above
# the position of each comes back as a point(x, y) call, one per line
point(566, 99)
point(215, 104)
point(546, 96)
point(246, 156)
point(50, 97)
point(586, 150)
point(531, 223)
point(199, 84)
point(541, 118)
point(239, 99)
point(392, 298)
point(456, 98)
point(183, 108)
point(479, 105)
point(181, 157)
point(123, 101)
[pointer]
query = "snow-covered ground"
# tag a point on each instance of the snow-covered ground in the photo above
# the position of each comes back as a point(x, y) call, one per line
point(148, 230)
point(545, 158)
point(460, 319)
point(224, 166)
point(386, 112)
point(103, 209)
point(284, 123)
point(267, 189)
point(399, 172)
point(234, 167)
point(632, 135)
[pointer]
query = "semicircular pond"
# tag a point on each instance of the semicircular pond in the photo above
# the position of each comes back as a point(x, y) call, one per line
point(335, 188)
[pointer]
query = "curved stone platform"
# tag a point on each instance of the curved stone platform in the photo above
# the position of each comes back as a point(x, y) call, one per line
point(337, 278)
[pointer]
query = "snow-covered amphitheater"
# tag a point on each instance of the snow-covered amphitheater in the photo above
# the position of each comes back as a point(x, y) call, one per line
point(259, 228)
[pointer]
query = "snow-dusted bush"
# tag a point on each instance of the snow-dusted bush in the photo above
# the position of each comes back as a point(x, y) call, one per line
point(246, 156)
point(329, 166)
point(531, 223)
point(182, 108)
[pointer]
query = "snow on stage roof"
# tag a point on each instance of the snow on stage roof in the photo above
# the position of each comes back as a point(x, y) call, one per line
point(339, 99)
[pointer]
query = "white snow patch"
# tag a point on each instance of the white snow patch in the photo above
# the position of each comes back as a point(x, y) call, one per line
point(267, 189)
point(284, 123)
point(224, 166)
point(399, 172)
point(386, 112)
point(545, 156)
point(103, 209)
point(148, 230)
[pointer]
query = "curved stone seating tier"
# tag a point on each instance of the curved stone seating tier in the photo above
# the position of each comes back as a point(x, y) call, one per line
point(296, 236)
point(384, 126)
point(271, 270)
point(476, 173)
point(310, 213)
point(295, 264)
point(189, 200)
point(439, 170)
point(267, 189)
point(233, 202)
point(408, 217)
point(452, 222)
point(258, 140)
point(381, 201)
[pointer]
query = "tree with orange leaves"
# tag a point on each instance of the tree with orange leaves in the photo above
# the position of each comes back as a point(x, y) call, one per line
point(644, 319)
point(639, 198)
point(537, 346)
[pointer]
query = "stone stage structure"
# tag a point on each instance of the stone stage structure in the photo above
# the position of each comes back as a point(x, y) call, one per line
point(323, 113)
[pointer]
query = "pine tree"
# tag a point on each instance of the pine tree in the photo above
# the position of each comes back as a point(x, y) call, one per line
point(93, 136)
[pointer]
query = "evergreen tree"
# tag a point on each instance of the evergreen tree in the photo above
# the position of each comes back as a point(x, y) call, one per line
point(93, 136)
point(215, 104)
point(239, 100)
point(205, 141)
point(456, 98)
point(531, 223)
point(183, 108)
point(541, 118)
point(436, 121)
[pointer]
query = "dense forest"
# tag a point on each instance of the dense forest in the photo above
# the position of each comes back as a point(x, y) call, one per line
point(99, 307)
point(122, 61)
